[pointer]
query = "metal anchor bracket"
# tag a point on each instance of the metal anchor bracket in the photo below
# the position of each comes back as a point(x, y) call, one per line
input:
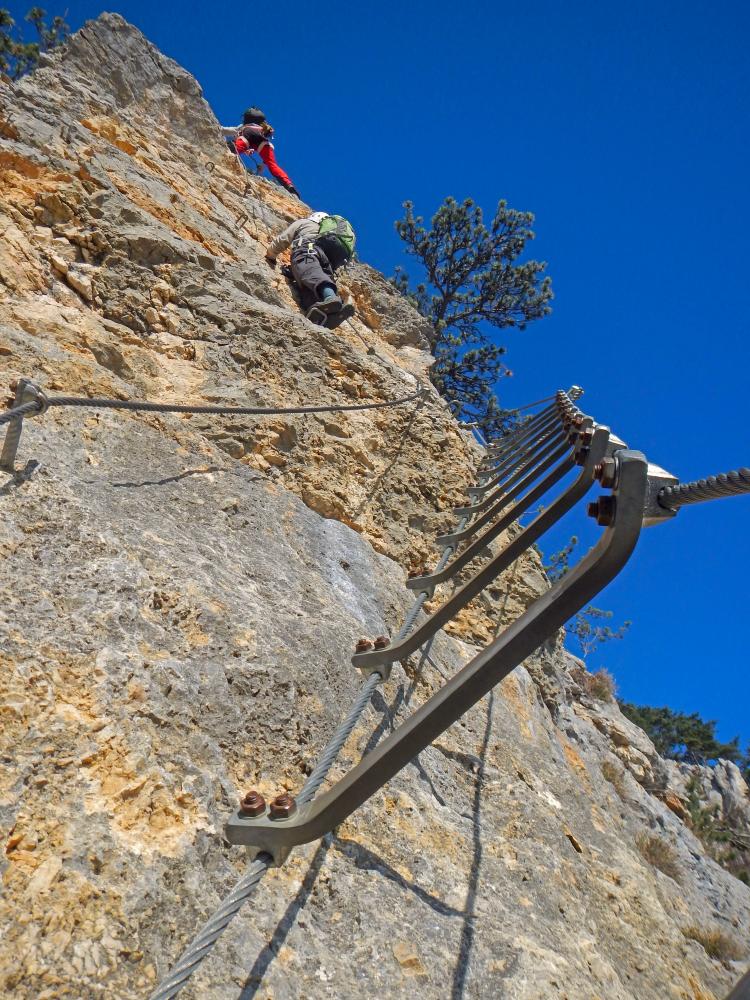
point(26, 392)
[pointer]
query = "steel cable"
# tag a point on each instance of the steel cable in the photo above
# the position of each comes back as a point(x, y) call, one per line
point(128, 404)
point(207, 937)
point(725, 484)
point(199, 949)
point(25, 410)
point(201, 946)
point(318, 775)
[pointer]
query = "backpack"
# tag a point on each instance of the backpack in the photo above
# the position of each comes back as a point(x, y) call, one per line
point(336, 239)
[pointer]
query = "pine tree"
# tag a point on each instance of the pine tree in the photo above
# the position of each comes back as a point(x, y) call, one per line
point(18, 56)
point(474, 281)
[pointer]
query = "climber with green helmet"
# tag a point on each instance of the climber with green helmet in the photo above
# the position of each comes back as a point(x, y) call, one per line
point(320, 244)
point(254, 136)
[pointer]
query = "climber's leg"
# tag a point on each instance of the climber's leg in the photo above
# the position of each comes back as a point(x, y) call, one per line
point(312, 277)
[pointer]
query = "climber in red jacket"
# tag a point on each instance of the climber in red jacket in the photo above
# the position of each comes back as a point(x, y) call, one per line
point(254, 136)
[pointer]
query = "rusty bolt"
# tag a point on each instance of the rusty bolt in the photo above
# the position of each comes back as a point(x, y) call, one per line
point(382, 642)
point(587, 436)
point(282, 806)
point(603, 510)
point(598, 469)
point(363, 645)
point(253, 804)
point(578, 419)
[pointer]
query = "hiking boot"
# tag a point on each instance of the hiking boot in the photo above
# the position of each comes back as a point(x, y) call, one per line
point(332, 305)
point(316, 315)
point(293, 190)
point(336, 319)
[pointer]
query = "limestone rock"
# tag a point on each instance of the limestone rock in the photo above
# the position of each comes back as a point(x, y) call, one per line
point(181, 595)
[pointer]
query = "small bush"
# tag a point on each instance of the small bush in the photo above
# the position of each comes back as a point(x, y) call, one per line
point(715, 943)
point(600, 685)
point(659, 853)
point(615, 776)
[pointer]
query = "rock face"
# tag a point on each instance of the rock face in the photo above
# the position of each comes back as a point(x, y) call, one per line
point(181, 595)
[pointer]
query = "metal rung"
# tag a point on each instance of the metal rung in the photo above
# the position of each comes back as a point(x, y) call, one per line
point(533, 434)
point(542, 619)
point(518, 471)
point(430, 581)
point(380, 659)
point(498, 504)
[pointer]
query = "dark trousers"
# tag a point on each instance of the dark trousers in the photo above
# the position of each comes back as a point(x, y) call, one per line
point(311, 269)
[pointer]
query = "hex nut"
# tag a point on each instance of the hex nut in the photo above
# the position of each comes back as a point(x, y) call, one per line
point(253, 804)
point(382, 642)
point(363, 645)
point(608, 475)
point(607, 508)
point(603, 510)
point(282, 806)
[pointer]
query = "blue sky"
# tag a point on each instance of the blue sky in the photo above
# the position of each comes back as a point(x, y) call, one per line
point(624, 128)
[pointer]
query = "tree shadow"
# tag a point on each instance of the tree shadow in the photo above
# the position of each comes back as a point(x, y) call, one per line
point(19, 477)
point(172, 479)
point(281, 933)
point(468, 929)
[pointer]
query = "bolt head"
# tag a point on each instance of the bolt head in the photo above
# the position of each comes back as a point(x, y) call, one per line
point(253, 804)
point(363, 645)
point(607, 507)
point(282, 806)
point(382, 642)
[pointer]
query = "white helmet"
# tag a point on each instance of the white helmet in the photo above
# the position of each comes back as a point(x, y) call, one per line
point(318, 216)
